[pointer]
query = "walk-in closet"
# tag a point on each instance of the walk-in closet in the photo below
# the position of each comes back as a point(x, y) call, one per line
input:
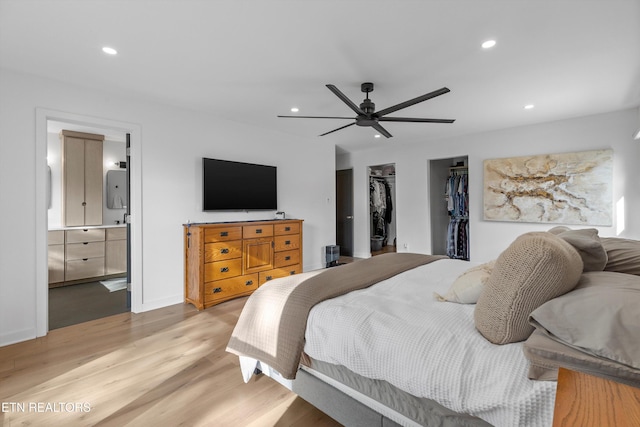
point(449, 198)
point(382, 218)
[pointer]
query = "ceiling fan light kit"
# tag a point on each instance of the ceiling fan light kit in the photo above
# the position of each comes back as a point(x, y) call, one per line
point(367, 115)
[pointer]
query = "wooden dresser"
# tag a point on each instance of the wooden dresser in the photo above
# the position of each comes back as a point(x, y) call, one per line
point(231, 259)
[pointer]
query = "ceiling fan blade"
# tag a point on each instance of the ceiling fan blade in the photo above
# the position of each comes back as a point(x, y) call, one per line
point(315, 117)
point(382, 130)
point(342, 127)
point(344, 99)
point(414, 120)
point(412, 101)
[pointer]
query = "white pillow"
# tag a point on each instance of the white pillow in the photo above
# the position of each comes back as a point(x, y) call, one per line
point(467, 287)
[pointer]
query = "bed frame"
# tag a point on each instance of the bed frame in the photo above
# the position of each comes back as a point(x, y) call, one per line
point(356, 401)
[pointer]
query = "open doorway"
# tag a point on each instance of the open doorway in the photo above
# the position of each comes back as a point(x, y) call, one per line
point(382, 215)
point(344, 211)
point(134, 230)
point(87, 196)
point(449, 200)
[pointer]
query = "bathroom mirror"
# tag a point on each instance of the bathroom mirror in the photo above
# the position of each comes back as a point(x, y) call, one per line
point(116, 189)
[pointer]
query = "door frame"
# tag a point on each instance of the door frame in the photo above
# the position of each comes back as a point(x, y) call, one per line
point(43, 115)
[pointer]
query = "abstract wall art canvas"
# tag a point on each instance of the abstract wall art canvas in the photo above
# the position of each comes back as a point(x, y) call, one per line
point(569, 188)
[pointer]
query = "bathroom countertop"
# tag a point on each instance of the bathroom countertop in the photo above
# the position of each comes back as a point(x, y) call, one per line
point(86, 227)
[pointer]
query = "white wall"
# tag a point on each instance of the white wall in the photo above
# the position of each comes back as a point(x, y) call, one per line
point(173, 141)
point(489, 238)
point(54, 161)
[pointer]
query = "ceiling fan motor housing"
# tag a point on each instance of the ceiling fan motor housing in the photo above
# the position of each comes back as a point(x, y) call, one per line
point(367, 106)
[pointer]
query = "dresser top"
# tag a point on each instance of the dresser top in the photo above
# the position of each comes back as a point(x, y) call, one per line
point(253, 221)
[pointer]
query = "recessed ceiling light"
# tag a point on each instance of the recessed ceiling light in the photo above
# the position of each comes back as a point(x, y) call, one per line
point(109, 50)
point(294, 109)
point(377, 135)
point(529, 106)
point(489, 44)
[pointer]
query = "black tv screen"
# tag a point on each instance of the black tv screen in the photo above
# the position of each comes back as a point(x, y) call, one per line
point(231, 185)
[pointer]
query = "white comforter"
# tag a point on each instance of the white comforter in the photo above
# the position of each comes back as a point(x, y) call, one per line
point(398, 332)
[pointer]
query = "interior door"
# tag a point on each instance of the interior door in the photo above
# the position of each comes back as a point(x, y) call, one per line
point(344, 211)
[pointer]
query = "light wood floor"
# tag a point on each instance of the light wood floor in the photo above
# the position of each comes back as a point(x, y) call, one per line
point(167, 367)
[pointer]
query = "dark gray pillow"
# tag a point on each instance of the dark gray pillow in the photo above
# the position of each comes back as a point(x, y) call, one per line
point(588, 245)
point(600, 316)
point(546, 354)
point(623, 255)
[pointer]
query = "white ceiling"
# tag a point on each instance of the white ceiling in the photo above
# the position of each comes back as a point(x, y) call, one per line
point(251, 60)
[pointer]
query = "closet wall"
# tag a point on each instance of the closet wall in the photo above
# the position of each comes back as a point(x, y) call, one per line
point(381, 206)
point(449, 201)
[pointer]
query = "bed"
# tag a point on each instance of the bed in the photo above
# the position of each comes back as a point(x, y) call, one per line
point(411, 339)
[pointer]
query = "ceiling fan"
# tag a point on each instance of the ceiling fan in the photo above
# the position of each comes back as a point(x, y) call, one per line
point(367, 116)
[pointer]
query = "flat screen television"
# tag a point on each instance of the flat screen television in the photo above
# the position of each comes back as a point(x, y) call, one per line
point(231, 185)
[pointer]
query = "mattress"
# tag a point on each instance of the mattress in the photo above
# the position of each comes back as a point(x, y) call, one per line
point(397, 332)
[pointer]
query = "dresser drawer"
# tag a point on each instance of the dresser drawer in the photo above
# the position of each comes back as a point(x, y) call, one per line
point(230, 288)
point(253, 231)
point(287, 242)
point(219, 251)
point(84, 250)
point(219, 270)
point(284, 258)
point(287, 228)
point(117, 233)
point(85, 235)
point(82, 269)
point(55, 237)
point(276, 273)
point(222, 234)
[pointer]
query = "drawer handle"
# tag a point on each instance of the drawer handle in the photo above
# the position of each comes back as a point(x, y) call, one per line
point(292, 272)
point(224, 233)
point(85, 230)
point(224, 270)
point(224, 250)
point(287, 229)
point(85, 259)
point(258, 230)
point(287, 242)
point(85, 243)
point(287, 258)
point(269, 277)
point(249, 282)
point(217, 290)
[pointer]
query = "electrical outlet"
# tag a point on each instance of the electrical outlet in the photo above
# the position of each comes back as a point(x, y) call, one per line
point(406, 246)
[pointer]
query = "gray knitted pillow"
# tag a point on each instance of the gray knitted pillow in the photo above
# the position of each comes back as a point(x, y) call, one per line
point(535, 268)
